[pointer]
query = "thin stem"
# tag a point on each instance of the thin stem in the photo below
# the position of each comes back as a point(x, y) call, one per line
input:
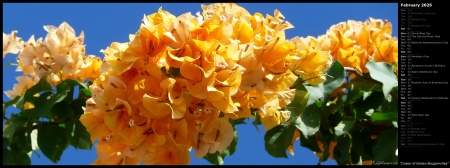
point(37, 124)
point(10, 64)
point(39, 156)
point(353, 70)
point(293, 120)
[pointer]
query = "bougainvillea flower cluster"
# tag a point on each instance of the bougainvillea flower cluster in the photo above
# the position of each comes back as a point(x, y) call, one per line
point(60, 56)
point(174, 86)
point(354, 43)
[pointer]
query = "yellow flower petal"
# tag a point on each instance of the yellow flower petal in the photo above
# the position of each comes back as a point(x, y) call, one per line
point(200, 89)
point(94, 125)
point(271, 121)
point(252, 80)
point(161, 125)
point(131, 135)
point(242, 31)
point(294, 138)
point(153, 106)
point(276, 51)
point(225, 102)
point(175, 57)
point(116, 120)
point(191, 71)
point(387, 51)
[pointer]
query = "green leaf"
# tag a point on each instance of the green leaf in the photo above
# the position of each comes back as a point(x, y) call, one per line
point(42, 107)
point(74, 82)
point(61, 91)
point(330, 109)
point(85, 93)
point(335, 78)
point(386, 145)
point(309, 122)
point(298, 105)
point(278, 139)
point(257, 120)
point(45, 103)
point(353, 94)
point(52, 141)
point(389, 106)
point(325, 138)
point(309, 142)
point(76, 106)
point(22, 140)
point(315, 93)
point(80, 138)
point(362, 145)
point(334, 120)
point(7, 157)
point(41, 86)
point(334, 106)
point(344, 126)
point(214, 158)
point(342, 149)
point(238, 121)
point(9, 103)
point(61, 112)
point(6, 142)
point(379, 116)
point(363, 105)
point(383, 73)
point(12, 124)
point(364, 83)
point(322, 92)
point(30, 114)
point(20, 158)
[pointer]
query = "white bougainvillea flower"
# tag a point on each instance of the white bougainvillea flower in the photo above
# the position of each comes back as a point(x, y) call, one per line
point(11, 43)
point(24, 83)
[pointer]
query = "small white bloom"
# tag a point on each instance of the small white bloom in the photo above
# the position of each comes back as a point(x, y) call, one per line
point(131, 122)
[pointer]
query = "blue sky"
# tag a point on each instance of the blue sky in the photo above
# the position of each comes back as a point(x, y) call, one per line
point(104, 23)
